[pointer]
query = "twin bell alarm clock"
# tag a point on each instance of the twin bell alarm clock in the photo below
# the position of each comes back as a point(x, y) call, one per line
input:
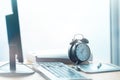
point(79, 51)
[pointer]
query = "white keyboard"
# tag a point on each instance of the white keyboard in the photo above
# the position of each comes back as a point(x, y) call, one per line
point(58, 71)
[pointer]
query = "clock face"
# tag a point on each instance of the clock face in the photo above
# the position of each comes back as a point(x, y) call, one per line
point(82, 52)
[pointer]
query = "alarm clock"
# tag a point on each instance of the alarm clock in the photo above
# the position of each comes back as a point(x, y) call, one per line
point(79, 51)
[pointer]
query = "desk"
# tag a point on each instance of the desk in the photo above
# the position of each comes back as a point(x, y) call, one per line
point(100, 76)
point(97, 76)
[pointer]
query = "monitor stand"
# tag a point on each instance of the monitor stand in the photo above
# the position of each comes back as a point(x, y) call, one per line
point(21, 70)
point(14, 67)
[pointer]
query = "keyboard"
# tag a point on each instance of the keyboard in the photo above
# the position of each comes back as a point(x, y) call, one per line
point(58, 71)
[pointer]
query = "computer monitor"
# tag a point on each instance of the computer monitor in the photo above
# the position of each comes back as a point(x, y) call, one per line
point(15, 46)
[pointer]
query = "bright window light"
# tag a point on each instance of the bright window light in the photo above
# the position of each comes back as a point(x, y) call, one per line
point(51, 24)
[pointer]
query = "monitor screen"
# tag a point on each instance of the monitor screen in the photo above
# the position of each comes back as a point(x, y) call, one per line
point(13, 33)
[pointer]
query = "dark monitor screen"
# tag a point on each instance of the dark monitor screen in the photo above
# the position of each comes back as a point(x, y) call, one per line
point(13, 32)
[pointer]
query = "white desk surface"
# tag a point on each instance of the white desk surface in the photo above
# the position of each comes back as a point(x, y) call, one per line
point(96, 76)
point(100, 76)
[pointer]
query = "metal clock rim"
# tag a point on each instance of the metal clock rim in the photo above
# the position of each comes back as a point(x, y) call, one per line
point(73, 56)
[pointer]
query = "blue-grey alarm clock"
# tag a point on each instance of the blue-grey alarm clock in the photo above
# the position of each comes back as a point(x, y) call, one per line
point(79, 51)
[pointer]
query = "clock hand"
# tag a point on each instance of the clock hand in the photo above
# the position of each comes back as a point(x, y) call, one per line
point(82, 50)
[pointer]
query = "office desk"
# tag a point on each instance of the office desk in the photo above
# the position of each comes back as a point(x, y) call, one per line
point(98, 76)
